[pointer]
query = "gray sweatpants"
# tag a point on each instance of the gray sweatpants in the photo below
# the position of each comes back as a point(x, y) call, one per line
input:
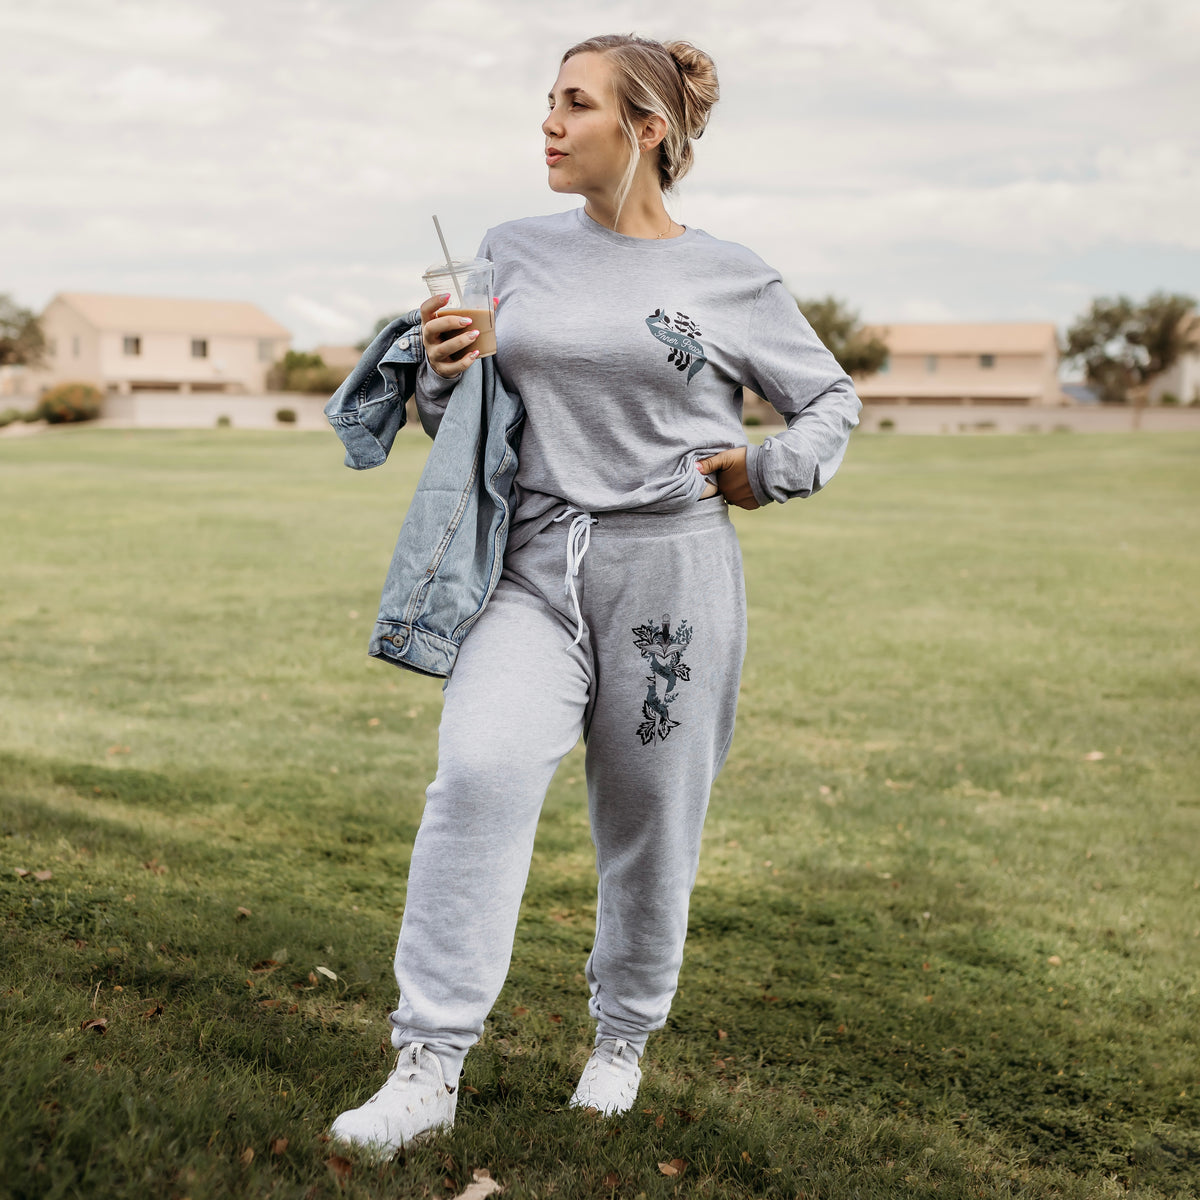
point(652, 684)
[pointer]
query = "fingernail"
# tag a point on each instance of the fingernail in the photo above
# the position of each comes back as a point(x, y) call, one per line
point(474, 333)
point(473, 354)
point(464, 320)
point(444, 298)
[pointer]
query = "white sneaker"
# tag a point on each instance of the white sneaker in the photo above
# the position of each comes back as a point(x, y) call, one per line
point(609, 1083)
point(414, 1101)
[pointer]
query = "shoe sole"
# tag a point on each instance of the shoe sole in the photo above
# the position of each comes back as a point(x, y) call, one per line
point(378, 1152)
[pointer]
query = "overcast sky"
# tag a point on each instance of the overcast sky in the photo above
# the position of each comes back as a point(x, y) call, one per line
point(923, 159)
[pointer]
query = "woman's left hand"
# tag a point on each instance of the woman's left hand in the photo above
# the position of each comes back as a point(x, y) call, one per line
point(732, 480)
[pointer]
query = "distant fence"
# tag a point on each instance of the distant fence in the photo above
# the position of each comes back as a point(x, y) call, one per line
point(182, 410)
point(1026, 418)
point(176, 410)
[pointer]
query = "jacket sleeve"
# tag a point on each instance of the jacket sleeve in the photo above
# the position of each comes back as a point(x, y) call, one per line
point(367, 411)
point(788, 366)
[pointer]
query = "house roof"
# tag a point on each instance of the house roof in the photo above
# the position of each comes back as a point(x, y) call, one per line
point(999, 337)
point(155, 314)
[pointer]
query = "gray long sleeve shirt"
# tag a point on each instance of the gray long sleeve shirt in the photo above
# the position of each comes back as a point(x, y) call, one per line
point(630, 357)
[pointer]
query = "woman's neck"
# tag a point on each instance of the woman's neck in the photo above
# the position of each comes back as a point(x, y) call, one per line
point(642, 215)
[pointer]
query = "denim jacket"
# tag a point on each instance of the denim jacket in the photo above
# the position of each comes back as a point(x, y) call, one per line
point(450, 550)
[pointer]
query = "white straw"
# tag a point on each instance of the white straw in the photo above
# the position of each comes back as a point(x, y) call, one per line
point(449, 265)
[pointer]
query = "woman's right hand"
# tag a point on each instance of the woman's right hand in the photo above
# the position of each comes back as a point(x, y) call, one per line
point(447, 346)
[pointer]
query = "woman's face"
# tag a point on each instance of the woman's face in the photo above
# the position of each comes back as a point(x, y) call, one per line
point(586, 150)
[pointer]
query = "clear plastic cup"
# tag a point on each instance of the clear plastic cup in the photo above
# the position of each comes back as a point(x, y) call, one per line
point(475, 282)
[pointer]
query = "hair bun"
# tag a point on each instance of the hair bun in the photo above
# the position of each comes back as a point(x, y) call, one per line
point(699, 75)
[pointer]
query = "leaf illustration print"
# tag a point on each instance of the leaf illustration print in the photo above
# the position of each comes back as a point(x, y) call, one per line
point(663, 652)
point(681, 336)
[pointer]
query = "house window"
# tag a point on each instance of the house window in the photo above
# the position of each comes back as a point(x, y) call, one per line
point(133, 344)
point(75, 346)
point(987, 360)
point(199, 347)
point(931, 363)
point(266, 350)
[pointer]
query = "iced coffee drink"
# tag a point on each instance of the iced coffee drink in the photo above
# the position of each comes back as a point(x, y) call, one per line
point(469, 284)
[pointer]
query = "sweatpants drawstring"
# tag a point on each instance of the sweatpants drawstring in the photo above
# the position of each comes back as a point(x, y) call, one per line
point(579, 538)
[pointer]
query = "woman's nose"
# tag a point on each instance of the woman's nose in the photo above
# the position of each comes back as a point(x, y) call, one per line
point(551, 126)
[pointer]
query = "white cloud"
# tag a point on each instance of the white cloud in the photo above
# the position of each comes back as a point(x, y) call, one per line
point(292, 152)
point(321, 315)
point(354, 302)
point(113, 26)
point(922, 308)
point(149, 93)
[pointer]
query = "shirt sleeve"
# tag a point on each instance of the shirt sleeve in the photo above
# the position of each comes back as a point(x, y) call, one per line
point(432, 394)
point(789, 367)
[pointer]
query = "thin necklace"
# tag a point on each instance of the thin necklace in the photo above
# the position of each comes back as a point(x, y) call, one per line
point(670, 226)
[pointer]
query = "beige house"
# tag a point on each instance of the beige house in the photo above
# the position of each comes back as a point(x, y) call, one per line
point(126, 344)
point(1000, 363)
point(345, 358)
point(1182, 382)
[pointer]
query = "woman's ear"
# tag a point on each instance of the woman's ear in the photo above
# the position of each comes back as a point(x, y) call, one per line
point(652, 131)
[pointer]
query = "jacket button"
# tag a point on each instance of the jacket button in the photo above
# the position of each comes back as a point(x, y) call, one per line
point(398, 640)
point(404, 343)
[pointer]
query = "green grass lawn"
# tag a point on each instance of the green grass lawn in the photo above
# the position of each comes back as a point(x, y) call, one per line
point(946, 933)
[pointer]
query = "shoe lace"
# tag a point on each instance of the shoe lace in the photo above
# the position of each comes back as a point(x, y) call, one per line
point(617, 1068)
point(408, 1066)
point(408, 1061)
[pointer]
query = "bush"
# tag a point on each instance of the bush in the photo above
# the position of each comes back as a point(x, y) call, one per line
point(1168, 398)
point(9, 415)
point(69, 402)
point(752, 419)
point(887, 423)
point(300, 372)
point(285, 416)
point(223, 422)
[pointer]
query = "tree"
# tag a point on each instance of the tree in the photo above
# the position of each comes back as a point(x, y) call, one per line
point(297, 371)
point(1122, 345)
point(22, 342)
point(380, 326)
point(858, 350)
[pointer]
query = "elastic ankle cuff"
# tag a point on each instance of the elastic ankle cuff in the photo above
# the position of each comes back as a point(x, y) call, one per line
point(636, 1045)
point(452, 1065)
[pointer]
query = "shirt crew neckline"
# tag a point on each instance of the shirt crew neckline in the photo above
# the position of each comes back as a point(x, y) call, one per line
point(623, 239)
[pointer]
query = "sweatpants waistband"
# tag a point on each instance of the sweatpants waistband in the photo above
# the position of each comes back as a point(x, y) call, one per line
point(710, 513)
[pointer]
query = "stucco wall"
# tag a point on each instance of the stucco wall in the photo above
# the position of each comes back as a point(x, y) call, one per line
point(176, 410)
point(172, 410)
point(62, 325)
point(956, 375)
point(1021, 418)
point(1182, 381)
point(167, 358)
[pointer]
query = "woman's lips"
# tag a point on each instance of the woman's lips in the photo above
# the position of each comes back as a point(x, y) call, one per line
point(554, 156)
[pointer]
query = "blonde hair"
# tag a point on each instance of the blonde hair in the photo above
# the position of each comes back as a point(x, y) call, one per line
point(674, 80)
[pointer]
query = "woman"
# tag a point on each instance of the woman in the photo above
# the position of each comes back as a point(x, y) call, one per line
point(620, 613)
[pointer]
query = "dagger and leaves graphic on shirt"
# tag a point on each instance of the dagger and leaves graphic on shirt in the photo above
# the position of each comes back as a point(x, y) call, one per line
point(681, 335)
